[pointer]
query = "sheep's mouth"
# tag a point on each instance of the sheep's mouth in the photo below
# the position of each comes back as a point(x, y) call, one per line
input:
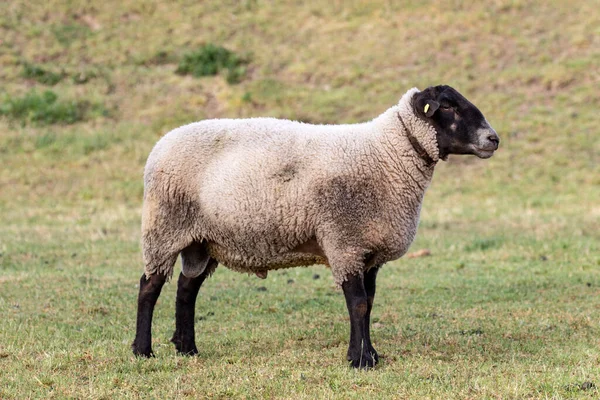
point(484, 152)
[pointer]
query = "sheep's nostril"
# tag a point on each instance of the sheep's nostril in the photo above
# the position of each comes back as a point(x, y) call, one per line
point(494, 139)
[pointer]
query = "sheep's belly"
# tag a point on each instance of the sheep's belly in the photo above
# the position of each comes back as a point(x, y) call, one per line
point(253, 263)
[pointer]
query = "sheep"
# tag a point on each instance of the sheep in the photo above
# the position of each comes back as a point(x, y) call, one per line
point(262, 194)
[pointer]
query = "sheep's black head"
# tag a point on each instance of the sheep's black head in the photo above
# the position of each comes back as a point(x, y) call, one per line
point(461, 128)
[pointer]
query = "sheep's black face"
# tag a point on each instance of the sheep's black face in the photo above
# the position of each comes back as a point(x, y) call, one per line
point(461, 128)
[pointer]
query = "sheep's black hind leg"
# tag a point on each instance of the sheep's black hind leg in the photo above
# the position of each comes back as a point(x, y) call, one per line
point(187, 292)
point(370, 277)
point(357, 302)
point(149, 291)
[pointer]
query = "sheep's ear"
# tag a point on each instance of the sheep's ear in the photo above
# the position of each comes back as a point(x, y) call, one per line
point(430, 107)
point(425, 104)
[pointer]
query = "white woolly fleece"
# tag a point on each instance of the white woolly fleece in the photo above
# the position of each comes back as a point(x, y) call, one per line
point(265, 193)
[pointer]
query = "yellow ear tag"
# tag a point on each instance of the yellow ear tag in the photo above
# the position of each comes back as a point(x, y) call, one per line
point(426, 108)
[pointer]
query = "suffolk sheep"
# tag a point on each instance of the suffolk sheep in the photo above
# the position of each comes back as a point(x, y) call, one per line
point(262, 194)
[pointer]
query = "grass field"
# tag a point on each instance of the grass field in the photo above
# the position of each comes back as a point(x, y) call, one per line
point(506, 306)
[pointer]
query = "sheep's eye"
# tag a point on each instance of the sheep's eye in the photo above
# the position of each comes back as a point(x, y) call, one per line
point(446, 108)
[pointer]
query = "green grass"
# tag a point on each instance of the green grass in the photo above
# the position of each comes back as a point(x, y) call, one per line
point(209, 60)
point(45, 109)
point(505, 307)
point(41, 75)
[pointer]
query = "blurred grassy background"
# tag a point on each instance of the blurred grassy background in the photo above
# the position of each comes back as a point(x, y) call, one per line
point(505, 307)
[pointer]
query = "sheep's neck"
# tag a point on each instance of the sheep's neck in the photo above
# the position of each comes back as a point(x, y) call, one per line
point(421, 152)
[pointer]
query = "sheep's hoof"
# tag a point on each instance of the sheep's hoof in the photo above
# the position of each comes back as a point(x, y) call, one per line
point(365, 361)
point(146, 352)
point(188, 351)
point(183, 348)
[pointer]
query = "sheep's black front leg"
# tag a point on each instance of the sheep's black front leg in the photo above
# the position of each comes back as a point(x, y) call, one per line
point(187, 291)
point(149, 291)
point(370, 277)
point(357, 302)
